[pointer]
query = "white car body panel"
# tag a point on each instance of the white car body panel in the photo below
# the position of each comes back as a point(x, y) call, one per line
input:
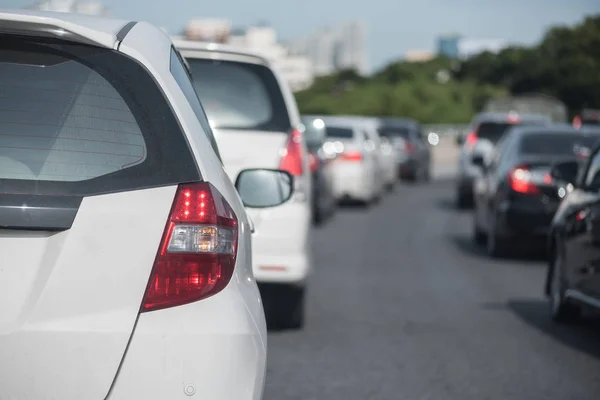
point(280, 242)
point(64, 336)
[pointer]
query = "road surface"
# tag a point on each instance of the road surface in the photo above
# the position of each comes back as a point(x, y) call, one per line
point(402, 306)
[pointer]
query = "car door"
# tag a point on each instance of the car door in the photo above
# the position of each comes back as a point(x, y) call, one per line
point(486, 185)
point(582, 231)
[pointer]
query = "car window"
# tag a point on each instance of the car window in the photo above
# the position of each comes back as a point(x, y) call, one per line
point(492, 131)
point(592, 176)
point(241, 96)
point(557, 144)
point(339, 132)
point(77, 119)
point(395, 132)
point(183, 79)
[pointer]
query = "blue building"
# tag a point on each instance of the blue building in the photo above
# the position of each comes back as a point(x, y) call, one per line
point(448, 46)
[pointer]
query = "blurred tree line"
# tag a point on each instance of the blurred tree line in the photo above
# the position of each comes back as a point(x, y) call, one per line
point(565, 65)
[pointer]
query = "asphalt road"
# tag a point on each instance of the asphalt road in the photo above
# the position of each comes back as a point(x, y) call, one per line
point(403, 307)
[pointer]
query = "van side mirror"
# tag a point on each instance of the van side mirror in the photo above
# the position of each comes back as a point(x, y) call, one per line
point(565, 171)
point(262, 188)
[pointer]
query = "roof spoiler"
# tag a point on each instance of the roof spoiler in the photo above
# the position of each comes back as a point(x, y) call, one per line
point(27, 25)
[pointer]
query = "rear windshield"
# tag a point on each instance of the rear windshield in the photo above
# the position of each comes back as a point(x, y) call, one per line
point(238, 95)
point(492, 131)
point(77, 119)
point(566, 144)
point(339, 133)
point(393, 131)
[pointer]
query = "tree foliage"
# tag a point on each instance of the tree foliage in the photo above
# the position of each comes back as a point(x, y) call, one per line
point(565, 65)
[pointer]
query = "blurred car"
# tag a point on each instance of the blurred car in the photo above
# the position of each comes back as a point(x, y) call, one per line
point(516, 197)
point(587, 117)
point(257, 125)
point(126, 249)
point(573, 279)
point(486, 130)
point(384, 152)
point(323, 199)
point(356, 171)
point(412, 148)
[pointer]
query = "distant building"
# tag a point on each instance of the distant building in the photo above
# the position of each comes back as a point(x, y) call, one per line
point(208, 30)
point(89, 7)
point(448, 45)
point(261, 39)
point(418, 55)
point(334, 48)
point(470, 47)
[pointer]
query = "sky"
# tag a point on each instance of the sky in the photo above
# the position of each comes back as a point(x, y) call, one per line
point(393, 26)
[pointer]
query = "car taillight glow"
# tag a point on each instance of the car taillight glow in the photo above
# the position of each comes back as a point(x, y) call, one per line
point(471, 139)
point(522, 180)
point(409, 147)
point(197, 254)
point(351, 156)
point(293, 155)
point(313, 162)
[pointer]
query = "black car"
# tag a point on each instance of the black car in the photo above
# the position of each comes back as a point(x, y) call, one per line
point(516, 197)
point(412, 149)
point(323, 200)
point(573, 276)
point(486, 128)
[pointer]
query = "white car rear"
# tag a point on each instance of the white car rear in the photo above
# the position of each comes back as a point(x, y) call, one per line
point(256, 124)
point(356, 171)
point(125, 250)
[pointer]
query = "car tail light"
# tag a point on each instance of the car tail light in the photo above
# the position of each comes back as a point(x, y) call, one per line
point(409, 147)
point(522, 180)
point(292, 155)
point(197, 253)
point(313, 162)
point(351, 156)
point(471, 139)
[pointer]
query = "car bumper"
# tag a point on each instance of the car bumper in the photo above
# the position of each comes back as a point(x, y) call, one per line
point(514, 220)
point(352, 180)
point(210, 349)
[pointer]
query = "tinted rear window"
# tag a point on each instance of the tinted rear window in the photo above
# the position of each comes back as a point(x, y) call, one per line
point(77, 119)
point(391, 131)
point(238, 95)
point(339, 133)
point(566, 144)
point(493, 131)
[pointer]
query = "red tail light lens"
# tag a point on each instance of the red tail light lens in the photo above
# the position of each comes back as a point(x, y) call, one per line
point(197, 253)
point(313, 162)
point(292, 158)
point(351, 156)
point(520, 181)
point(471, 139)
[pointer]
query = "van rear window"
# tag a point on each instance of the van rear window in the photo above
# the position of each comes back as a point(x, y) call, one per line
point(76, 119)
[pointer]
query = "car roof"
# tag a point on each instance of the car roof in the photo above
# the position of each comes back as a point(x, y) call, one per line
point(197, 49)
point(399, 122)
point(100, 31)
point(502, 117)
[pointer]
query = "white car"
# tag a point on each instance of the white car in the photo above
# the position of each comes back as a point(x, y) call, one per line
point(256, 123)
point(357, 174)
point(125, 249)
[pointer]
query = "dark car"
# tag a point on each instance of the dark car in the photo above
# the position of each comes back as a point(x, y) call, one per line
point(485, 131)
point(412, 149)
point(323, 199)
point(573, 275)
point(587, 117)
point(516, 197)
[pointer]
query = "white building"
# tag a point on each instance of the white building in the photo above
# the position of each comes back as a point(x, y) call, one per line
point(334, 49)
point(90, 7)
point(261, 39)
